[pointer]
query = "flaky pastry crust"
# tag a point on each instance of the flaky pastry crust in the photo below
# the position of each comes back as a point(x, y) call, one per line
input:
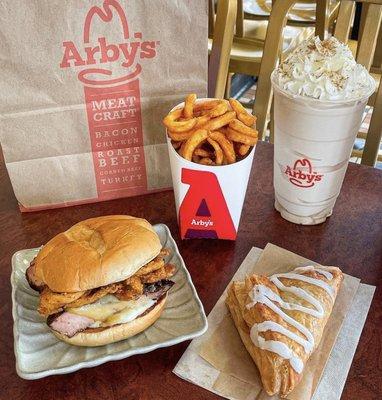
point(277, 374)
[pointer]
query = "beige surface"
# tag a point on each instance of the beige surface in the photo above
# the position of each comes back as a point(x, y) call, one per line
point(195, 369)
point(158, 172)
point(277, 260)
point(97, 252)
point(53, 179)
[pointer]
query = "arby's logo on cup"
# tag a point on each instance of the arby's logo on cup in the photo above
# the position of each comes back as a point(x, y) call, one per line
point(109, 70)
point(301, 174)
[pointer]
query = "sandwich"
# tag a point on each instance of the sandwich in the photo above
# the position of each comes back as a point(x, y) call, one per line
point(103, 280)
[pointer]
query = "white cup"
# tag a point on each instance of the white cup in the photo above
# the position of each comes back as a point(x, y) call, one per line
point(313, 140)
point(208, 199)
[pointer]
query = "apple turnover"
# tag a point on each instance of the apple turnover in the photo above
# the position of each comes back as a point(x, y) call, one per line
point(281, 319)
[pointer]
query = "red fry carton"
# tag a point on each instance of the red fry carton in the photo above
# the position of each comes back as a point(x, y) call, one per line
point(209, 199)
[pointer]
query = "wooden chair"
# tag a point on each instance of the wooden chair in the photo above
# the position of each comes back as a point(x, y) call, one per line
point(369, 33)
point(377, 62)
point(365, 52)
point(326, 11)
point(370, 153)
point(221, 46)
point(248, 42)
point(277, 21)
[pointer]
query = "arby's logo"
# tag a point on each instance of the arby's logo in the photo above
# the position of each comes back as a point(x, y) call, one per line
point(94, 53)
point(204, 212)
point(302, 174)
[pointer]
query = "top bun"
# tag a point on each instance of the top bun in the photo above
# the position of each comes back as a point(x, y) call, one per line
point(97, 252)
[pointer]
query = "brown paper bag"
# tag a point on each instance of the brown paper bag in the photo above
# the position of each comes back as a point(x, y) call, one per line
point(85, 85)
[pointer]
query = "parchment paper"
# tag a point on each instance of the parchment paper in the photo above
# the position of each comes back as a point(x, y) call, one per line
point(230, 372)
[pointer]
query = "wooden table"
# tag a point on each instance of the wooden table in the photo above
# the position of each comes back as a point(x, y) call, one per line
point(351, 239)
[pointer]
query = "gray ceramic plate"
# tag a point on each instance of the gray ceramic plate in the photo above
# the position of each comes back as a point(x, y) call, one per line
point(39, 353)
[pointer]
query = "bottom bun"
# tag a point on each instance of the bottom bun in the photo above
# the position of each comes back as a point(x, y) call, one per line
point(115, 333)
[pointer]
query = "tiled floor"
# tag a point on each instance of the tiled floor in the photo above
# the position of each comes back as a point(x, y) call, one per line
point(248, 97)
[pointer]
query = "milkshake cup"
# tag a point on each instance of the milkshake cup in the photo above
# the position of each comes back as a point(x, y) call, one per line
point(314, 137)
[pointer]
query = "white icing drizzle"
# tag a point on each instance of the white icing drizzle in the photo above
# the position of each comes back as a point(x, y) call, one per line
point(313, 281)
point(263, 294)
point(321, 270)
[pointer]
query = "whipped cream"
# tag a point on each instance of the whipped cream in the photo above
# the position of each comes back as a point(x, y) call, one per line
point(324, 70)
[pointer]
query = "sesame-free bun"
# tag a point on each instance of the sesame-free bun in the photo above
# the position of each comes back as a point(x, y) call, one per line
point(97, 252)
point(112, 334)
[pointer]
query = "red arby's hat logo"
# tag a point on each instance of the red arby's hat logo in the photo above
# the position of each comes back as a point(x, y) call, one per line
point(302, 174)
point(92, 54)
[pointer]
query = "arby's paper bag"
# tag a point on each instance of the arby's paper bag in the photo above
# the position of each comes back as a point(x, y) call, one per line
point(85, 85)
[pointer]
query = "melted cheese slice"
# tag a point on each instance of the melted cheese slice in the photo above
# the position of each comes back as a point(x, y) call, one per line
point(109, 310)
point(131, 311)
